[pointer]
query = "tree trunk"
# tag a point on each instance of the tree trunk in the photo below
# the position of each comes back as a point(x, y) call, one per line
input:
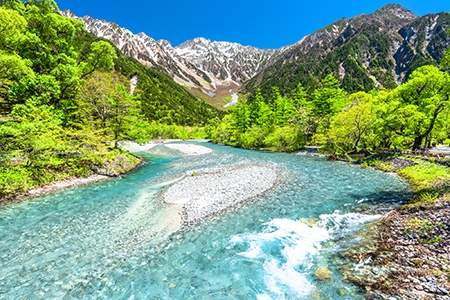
point(417, 142)
point(419, 138)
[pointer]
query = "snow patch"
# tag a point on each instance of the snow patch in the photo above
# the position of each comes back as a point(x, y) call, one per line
point(234, 100)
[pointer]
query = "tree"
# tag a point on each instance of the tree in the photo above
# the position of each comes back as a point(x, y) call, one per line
point(423, 98)
point(240, 117)
point(16, 5)
point(445, 61)
point(12, 69)
point(276, 94)
point(124, 111)
point(287, 138)
point(329, 98)
point(300, 97)
point(101, 57)
point(42, 89)
point(284, 110)
point(12, 26)
point(265, 115)
point(254, 106)
point(352, 129)
point(46, 6)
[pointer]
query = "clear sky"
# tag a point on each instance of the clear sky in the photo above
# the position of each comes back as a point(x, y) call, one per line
point(260, 23)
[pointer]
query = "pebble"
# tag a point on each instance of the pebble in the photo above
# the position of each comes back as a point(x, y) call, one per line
point(212, 191)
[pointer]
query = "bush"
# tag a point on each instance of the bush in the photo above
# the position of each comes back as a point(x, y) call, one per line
point(287, 138)
point(426, 175)
point(14, 180)
point(253, 138)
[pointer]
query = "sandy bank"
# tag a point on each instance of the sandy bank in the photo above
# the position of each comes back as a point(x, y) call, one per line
point(59, 185)
point(184, 148)
point(189, 149)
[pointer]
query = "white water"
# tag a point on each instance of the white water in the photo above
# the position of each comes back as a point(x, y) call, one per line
point(288, 249)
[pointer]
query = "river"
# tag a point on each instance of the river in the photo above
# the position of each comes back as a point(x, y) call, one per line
point(115, 239)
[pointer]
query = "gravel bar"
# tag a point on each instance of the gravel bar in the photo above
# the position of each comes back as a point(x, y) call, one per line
point(209, 192)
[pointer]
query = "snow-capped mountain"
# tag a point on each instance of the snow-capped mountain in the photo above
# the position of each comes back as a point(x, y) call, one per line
point(225, 62)
point(199, 63)
point(364, 52)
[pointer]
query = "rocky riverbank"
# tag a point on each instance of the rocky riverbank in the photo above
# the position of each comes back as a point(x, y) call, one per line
point(407, 254)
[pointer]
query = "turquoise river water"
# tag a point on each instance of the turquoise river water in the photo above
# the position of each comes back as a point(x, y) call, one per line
point(108, 240)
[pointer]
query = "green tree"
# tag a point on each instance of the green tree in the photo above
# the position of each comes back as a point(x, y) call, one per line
point(12, 26)
point(46, 6)
point(42, 89)
point(265, 115)
point(329, 98)
point(300, 97)
point(352, 130)
point(124, 112)
point(13, 4)
point(445, 61)
point(12, 69)
point(423, 98)
point(101, 57)
point(284, 110)
point(241, 117)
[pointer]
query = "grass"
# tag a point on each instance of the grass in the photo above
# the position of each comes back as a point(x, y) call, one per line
point(424, 229)
point(426, 175)
point(429, 181)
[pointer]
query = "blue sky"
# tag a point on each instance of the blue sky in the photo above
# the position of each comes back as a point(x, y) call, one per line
point(260, 23)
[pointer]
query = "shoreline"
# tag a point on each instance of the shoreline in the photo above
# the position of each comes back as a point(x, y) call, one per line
point(406, 254)
point(64, 184)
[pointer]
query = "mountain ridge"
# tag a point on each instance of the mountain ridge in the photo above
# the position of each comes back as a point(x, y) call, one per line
point(387, 50)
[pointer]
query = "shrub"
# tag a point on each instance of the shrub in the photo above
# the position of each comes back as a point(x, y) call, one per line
point(287, 138)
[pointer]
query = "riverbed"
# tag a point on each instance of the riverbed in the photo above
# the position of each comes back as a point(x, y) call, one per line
point(118, 239)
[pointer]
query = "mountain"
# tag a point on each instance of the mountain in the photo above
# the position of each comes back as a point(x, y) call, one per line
point(208, 66)
point(375, 50)
point(226, 64)
point(367, 51)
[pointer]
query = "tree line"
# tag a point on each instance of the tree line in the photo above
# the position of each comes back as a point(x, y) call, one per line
point(65, 99)
point(415, 115)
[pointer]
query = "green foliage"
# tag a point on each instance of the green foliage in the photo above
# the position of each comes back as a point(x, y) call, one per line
point(353, 129)
point(65, 100)
point(101, 57)
point(445, 61)
point(42, 89)
point(329, 98)
point(287, 138)
point(426, 175)
point(12, 25)
point(413, 116)
point(258, 124)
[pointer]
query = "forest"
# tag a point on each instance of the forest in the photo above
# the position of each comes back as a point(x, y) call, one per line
point(65, 100)
point(413, 116)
